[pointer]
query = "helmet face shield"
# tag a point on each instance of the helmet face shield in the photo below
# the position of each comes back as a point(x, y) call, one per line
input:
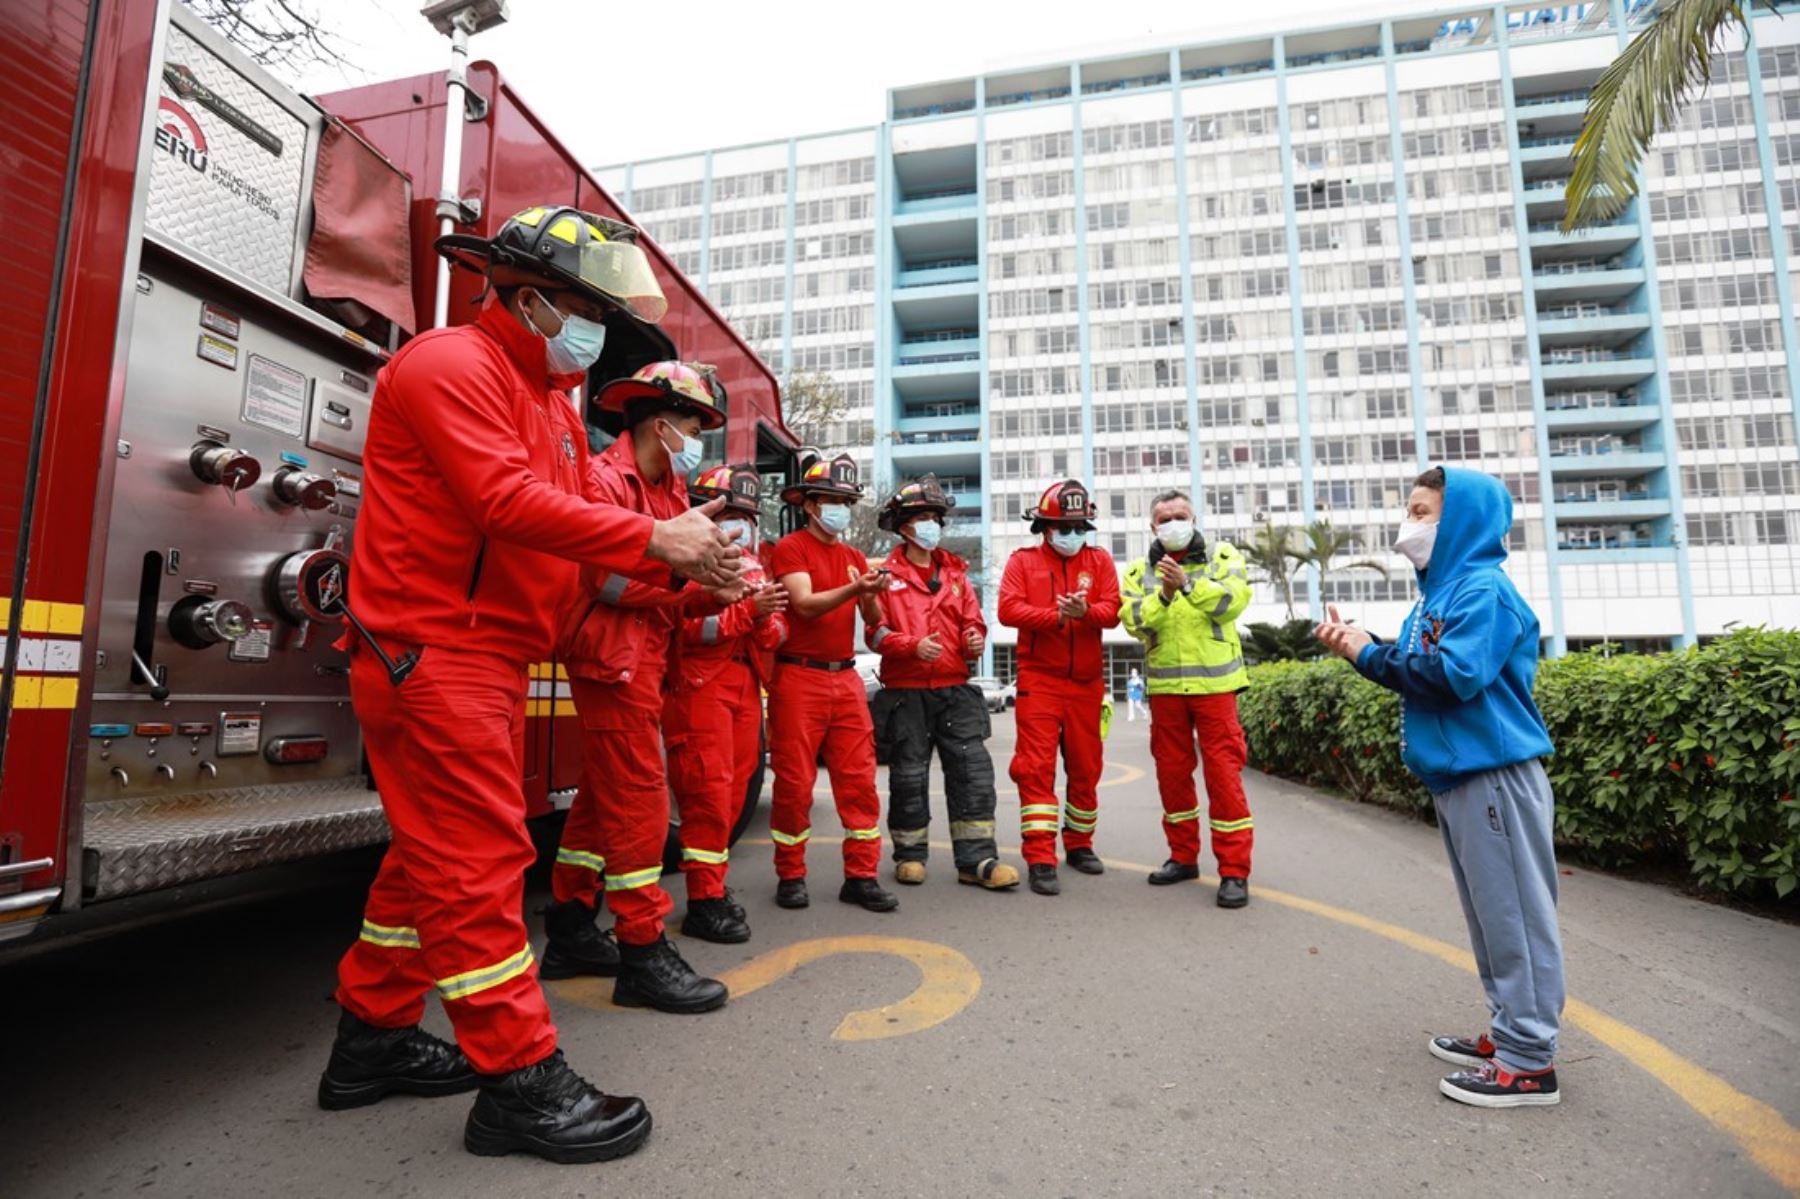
point(621, 272)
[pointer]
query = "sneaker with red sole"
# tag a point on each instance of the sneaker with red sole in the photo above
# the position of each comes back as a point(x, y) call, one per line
point(1463, 1051)
point(1493, 1085)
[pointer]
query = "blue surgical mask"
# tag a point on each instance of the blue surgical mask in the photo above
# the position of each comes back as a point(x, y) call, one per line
point(685, 460)
point(576, 346)
point(1068, 542)
point(742, 530)
point(835, 518)
point(926, 534)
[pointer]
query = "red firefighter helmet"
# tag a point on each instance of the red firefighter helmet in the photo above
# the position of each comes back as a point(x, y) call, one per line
point(831, 478)
point(1064, 503)
point(685, 386)
point(740, 486)
point(923, 494)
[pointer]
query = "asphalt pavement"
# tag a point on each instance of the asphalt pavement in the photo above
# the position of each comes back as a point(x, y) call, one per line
point(1118, 1039)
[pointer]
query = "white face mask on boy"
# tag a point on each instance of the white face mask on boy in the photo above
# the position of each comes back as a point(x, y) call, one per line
point(1415, 541)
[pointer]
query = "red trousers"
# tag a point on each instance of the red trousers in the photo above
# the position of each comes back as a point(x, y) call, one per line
point(714, 735)
point(1053, 713)
point(1177, 723)
point(446, 908)
point(619, 821)
point(812, 711)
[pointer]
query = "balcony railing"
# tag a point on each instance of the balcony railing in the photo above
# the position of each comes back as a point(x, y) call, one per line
point(912, 339)
point(1572, 401)
point(1572, 312)
point(1638, 541)
point(1574, 266)
point(1586, 354)
point(929, 110)
point(1561, 139)
point(1550, 98)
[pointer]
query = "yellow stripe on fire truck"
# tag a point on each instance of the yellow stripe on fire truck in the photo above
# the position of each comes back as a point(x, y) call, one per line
point(48, 666)
point(548, 696)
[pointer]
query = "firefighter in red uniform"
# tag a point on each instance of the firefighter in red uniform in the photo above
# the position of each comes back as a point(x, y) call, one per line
point(616, 644)
point(931, 627)
point(1059, 595)
point(712, 718)
point(473, 521)
point(816, 700)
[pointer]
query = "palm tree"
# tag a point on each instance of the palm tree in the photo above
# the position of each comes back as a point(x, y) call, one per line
point(1324, 544)
point(1271, 552)
point(1638, 96)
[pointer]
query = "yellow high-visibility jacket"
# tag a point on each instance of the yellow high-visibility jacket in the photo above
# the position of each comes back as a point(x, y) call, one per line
point(1191, 642)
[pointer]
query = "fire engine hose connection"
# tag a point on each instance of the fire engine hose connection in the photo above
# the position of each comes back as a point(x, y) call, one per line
point(197, 622)
point(313, 586)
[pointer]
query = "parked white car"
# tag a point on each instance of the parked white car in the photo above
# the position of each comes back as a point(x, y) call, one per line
point(868, 669)
point(999, 696)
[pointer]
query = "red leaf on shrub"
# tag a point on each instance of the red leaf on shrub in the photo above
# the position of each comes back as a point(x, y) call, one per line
point(1612, 774)
point(1650, 740)
point(1336, 752)
point(1368, 751)
point(1674, 765)
point(1709, 759)
point(1321, 716)
point(1787, 798)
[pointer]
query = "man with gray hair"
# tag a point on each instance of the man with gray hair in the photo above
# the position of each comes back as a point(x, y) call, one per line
point(1184, 606)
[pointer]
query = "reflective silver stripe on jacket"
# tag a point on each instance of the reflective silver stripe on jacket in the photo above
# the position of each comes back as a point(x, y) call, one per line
point(879, 635)
point(1196, 672)
point(709, 631)
point(613, 589)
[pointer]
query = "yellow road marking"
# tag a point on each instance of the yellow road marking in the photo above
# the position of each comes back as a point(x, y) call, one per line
point(948, 983)
point(1132, 774)
point(1761, 1131)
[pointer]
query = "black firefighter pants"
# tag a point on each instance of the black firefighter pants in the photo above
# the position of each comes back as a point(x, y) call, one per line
point(909, 722)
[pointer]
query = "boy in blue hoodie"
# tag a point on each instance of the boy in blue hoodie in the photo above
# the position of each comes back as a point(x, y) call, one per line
point(1464, 666)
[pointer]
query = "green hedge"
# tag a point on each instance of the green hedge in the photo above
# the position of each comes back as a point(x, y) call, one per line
point(1694, 755)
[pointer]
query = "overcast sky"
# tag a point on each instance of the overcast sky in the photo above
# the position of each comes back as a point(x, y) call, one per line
point(622, 81)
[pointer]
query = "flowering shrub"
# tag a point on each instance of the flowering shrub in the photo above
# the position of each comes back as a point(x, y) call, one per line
point(1694, 753)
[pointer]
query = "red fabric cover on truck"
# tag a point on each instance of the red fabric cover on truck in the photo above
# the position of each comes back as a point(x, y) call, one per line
point(361, 244)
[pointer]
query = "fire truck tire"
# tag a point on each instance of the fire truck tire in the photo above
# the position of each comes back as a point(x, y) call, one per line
point(752, 800)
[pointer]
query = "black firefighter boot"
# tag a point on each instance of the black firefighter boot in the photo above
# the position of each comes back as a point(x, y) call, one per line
point(548, 1109)
point(714, 920)
point(655, 975)
point(576, 944)
point(368, 1062)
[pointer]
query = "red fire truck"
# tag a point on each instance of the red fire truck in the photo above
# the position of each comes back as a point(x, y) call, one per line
point(209, 270)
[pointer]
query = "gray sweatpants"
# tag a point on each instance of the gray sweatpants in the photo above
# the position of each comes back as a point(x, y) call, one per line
point(1497, 827)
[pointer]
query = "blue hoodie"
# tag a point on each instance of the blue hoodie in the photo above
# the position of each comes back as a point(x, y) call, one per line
point(1467, 654)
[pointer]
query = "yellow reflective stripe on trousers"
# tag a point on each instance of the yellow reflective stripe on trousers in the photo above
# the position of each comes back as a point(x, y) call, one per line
point(1182, 817)
point(705, 855)
point(970, 830)
point(863, 834)
point(582, 858)
point(1039, 809)
point(1082, 820)
point(912, 838)
point(1233, 826)
point(389, 938)
point(1081, 826)
point(781, 838)
point(1038, 826)
point(461, 986)
point(633, 880)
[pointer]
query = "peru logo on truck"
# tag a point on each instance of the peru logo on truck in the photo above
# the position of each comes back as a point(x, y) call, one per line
point(179, 135)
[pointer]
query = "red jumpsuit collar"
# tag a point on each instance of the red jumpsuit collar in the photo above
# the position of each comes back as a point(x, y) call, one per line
point(523, 346)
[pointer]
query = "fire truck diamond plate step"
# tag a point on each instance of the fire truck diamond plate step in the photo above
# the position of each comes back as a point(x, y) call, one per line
point(138, 845)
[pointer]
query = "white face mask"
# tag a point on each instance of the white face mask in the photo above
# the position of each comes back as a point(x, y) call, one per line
point(834, 518)
point(1068, 542)
point(1175, 535)
point(1415, 541)
point(742, 530)
point(684, 460)
point(576, 344)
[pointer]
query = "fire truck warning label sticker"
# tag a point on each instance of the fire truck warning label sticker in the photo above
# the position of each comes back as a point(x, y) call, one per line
point(239, 733)
point(217, 351)
point(275, 397)
point(255, 645)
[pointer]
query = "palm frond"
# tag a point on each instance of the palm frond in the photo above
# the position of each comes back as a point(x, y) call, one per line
point(1379, 568)
point(1638, 95)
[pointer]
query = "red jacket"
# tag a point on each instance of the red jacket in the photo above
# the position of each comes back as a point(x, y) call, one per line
point(911, 611)
point(709, 641)
point(473, 516)
point(618, 629)
point(1035, 576)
